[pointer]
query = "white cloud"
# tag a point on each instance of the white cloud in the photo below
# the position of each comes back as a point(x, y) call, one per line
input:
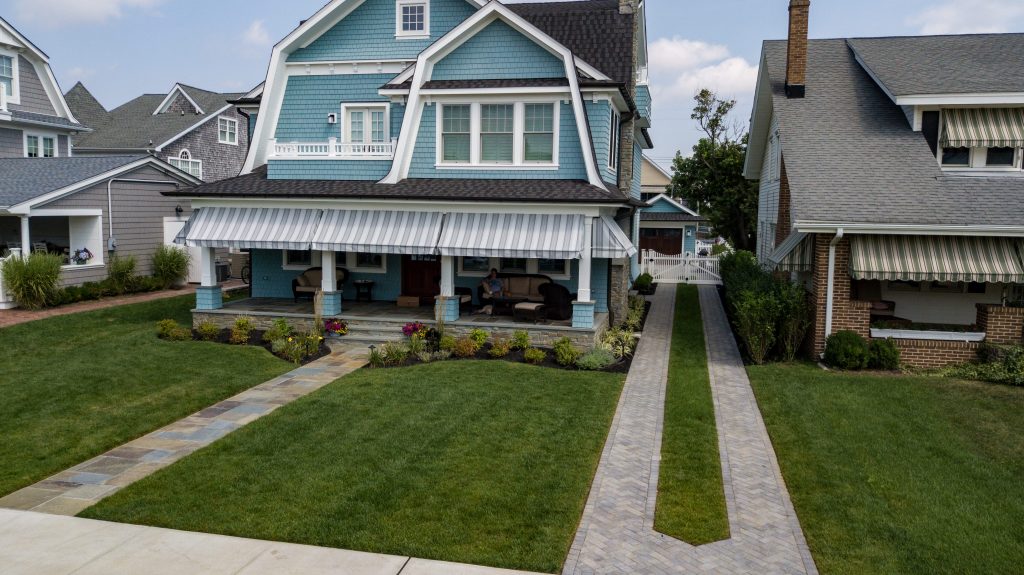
point(256, 34)
point(58, 13)
point(679, 68)
point(969, 17)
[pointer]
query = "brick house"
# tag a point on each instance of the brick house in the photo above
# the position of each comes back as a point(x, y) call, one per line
point(198, 131)
point(890, 184)
point(433, 140)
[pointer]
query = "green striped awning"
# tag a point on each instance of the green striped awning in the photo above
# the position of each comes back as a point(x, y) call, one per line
point(983, 127)
point(936, 258)
point(796, 254)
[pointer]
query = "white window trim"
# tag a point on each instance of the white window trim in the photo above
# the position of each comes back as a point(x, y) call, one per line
point(230, 121)
point(349, 263)
point(614, 136)
point(172, 159)
point(518, 137)
point(412, 34)
point(367, 124)
point(531, 268)
point(15, 97)
point(56, 143)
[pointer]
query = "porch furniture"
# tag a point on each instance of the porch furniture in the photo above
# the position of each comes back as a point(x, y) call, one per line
point(364, 290)
point(530, 311)
point(525, 286)
point(311, 281)
point(557, 301)
point(505, 305)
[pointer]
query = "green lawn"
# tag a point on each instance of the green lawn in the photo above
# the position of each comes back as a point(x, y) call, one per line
point(691, 501)
point(472, 461)
point(899, 474)
point(76, 386)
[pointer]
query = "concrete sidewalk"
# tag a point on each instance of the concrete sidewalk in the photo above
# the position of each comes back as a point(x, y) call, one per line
point(41, 544)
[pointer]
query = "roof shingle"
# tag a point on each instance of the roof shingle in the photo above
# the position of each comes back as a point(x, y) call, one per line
point(27, 178)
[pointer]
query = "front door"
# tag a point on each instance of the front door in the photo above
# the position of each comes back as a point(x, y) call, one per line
point(421, 277)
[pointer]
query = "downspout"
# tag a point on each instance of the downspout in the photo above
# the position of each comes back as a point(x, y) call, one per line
point(831, 279)
point(111, 240)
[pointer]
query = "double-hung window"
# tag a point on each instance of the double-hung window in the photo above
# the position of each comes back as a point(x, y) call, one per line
point(227, 131)
point(456, 134)
point(412, 18)
point(7, 75)
point(497, 133)
point(37, 146)
point(539, 133)
point(32, 146)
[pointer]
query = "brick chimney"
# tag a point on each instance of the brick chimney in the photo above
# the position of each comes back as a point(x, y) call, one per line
point(628, 6)
point(796, 55)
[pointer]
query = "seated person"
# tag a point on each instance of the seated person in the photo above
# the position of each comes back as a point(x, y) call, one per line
point(493, 286)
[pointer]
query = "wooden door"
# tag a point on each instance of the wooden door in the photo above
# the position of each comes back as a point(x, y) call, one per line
point(421, 277)
point(665, 241)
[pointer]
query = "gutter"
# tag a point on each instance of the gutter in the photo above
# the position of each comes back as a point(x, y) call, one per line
point(831, 280)
point(909, 229)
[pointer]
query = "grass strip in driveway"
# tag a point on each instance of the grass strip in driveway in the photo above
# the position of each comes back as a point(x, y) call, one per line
point(472, 461)
point(691, 499)
point(78, 385)
point(899, 474)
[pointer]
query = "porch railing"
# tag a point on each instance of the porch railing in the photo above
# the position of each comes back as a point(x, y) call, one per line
point(332, 149)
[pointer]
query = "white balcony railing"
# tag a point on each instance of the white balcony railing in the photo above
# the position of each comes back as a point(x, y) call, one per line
point(331, 149)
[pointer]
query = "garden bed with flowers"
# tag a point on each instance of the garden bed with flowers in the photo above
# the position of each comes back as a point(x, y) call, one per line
point(281, 339)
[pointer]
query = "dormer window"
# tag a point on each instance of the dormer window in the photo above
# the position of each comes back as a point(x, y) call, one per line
point(982, 139)
point(959, 156)
point(7, 75)
point(412, 18)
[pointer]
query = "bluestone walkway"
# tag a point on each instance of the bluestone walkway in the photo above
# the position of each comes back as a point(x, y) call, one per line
point(41, 544)
point(81, 486)
point(617, 532)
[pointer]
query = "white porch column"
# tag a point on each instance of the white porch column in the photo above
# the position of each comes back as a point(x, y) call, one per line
point(208, 266)
point(26, 237)
point(208, 294)
point(447, 307)
point(585, 261)
point(329, 284)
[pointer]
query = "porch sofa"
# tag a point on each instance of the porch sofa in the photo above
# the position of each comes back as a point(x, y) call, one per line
point(310, 281)
point(518, 285)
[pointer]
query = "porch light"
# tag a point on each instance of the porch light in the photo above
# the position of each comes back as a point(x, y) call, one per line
point(179, 210)
point(689, 232)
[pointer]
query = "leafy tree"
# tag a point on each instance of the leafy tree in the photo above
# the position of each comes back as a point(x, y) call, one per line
point(712, 179)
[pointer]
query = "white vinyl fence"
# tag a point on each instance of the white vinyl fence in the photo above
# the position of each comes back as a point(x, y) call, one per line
point(681, 269)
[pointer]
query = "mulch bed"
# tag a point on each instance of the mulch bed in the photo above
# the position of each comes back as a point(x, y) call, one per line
point(256, 340)
point(516, 356)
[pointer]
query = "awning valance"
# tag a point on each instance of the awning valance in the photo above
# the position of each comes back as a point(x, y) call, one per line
point(983, 127)
point(795, 254)
point(545, 236)
point(250, 228)
point(936, 258)
point(379, 232)
point(610, 241)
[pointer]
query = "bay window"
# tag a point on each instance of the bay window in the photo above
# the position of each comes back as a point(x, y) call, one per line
point(498, 135)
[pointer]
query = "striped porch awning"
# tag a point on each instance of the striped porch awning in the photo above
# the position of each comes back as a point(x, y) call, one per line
point(379, 232)
point(610, 241)
point(936, 258)
point(547, 236)
point(795, 254)
point(983, 127)
point(250, 228)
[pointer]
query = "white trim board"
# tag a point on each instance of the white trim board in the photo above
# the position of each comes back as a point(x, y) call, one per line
point(908, 229)
point(665, 198)
point(177, 89)
point(193, 127)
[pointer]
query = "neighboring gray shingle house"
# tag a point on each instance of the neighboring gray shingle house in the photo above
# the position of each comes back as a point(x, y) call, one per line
point(35, 121)
point(891, 183)
point(195, 130)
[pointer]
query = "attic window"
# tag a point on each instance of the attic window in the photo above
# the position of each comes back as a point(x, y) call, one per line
point(227, 131)
point(412, 18)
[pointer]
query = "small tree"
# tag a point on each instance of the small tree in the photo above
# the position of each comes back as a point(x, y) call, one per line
point(712, 179)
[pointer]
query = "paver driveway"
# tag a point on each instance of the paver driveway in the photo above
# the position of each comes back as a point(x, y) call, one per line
point(617, 532)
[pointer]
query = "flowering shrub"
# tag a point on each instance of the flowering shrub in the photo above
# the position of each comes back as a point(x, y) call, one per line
point(415, 330)
point(335, 327)
point(297, 347)
point(81, 257)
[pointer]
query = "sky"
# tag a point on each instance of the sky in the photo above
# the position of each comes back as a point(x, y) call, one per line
point(122, 48)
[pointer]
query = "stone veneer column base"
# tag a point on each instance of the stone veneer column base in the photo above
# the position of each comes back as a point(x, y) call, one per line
point(209, 298)
point(447, 308)
point(583, 314)
point(332, 303)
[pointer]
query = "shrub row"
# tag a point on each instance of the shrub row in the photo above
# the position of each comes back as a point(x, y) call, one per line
point(997, 364)
point(33, 281)
point(849, 350)
point(770, 315)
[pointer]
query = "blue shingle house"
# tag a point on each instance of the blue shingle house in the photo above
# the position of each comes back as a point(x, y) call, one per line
point(402, 149)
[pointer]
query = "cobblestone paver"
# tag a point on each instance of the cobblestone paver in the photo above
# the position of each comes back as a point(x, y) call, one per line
point(617, 532)
point(81, 486)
